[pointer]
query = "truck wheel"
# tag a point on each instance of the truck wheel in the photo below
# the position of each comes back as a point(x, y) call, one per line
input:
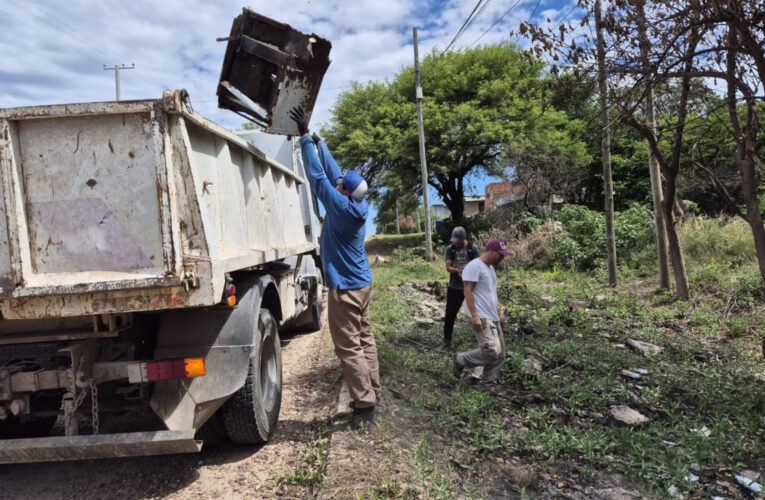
point(250, 415)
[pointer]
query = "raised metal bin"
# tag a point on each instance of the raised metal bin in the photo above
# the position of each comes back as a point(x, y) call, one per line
point(268, 69)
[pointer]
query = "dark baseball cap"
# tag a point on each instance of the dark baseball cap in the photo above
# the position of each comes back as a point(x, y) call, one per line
point(497, 246)
point(458, 233)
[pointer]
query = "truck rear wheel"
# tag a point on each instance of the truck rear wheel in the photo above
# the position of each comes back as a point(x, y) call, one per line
point(250, 415)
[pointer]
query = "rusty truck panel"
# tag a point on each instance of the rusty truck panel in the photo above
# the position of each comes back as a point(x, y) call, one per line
point(269, 68)
point(134, 206)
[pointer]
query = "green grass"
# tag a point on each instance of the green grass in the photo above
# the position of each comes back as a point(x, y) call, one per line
point(710, 373)
point(313, 466)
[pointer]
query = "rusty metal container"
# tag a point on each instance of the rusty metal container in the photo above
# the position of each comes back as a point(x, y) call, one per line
point(269, 68)
point(130, 200)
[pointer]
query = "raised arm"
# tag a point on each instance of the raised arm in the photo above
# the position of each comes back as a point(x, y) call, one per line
point(330, 197)
point(331, 169)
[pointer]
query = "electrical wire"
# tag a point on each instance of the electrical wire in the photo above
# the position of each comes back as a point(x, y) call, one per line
point(518, 36)
point(463, 27)
point(498, 20)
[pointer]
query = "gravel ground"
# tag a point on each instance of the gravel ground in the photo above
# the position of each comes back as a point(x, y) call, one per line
point(310, 372)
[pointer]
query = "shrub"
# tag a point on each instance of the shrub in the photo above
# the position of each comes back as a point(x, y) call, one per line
point(474, 226)
point(529, 224)
point(567, 252)
point(724, 239)
point(535, 250)
point(588, 229)
point(634, 236)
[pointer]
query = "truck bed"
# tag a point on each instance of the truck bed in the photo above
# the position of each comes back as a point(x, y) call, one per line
point(133, 206)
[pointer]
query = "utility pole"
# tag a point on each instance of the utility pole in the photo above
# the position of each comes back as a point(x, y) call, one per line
point(608, 184)
point(398, 227)
point(116, 70)
point(660, 230)
point(423, 162)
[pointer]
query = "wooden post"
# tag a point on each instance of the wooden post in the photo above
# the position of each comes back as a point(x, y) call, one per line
point(608, 187)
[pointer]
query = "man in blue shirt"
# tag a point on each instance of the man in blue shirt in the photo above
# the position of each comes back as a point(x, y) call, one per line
point(346, 269)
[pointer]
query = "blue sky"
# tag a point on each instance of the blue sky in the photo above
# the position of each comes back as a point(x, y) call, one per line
point(51, 53)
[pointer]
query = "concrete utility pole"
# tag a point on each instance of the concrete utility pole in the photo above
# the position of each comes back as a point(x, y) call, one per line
point(608, 184)
point(423, 162)
point(398, 226)
point(116, 70)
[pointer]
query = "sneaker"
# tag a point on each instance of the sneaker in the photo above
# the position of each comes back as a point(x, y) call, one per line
point(491, 389)
point(446, 346)
point(362, 415)
point(456, 366)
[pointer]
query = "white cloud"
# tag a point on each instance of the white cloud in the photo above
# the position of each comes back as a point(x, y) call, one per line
point(52, 54)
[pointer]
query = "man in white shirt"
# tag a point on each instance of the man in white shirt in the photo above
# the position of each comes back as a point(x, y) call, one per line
point(481, 304)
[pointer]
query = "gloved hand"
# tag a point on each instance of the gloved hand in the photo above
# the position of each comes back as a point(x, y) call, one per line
point(298, 116)
point(315, 138)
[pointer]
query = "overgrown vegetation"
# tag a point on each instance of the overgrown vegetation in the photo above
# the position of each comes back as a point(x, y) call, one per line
point(313, 466)
point(704, 393)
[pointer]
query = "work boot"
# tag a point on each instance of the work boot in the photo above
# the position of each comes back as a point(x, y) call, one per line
point(457, 367)
point(362, 415)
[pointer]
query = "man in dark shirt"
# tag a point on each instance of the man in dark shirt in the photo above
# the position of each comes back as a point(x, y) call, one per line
point(458, 254)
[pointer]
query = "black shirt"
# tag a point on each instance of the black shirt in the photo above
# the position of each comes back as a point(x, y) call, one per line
point(459, 257)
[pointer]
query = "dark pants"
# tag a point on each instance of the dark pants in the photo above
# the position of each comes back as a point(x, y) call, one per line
point(454, 299)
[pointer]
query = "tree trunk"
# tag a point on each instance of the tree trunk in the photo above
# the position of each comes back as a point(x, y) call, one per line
point(675, 251)
point(745, 148)
point(659, 227)
point(608, 189)
point(455, 202)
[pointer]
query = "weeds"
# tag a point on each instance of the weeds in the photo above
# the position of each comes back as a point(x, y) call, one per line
point(706, 377)
point(313, 467)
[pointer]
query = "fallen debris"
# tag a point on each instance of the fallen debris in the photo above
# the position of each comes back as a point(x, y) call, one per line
point(703, 431)
point(532, 366)
point(748, 483)
point(538, 355)
point(626, 415)
point(646, 348)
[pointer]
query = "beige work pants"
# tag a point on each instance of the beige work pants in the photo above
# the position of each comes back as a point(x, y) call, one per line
point(490, 352)
point(348, 313)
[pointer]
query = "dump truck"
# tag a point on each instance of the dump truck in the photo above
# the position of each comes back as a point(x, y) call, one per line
point(148, 260)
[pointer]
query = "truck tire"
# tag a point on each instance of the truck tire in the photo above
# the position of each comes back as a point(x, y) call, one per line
point(250, 415)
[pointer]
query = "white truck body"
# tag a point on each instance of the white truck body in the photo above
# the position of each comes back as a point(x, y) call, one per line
point(121, 214)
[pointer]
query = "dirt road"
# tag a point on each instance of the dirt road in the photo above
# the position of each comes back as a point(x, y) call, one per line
point(311, 375)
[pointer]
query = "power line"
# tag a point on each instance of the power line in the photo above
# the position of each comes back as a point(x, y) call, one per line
point(462, 28)
point(497, 21)
point(518, 36)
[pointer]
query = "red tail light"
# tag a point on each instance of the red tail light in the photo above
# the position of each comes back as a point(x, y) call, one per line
point(175, 368)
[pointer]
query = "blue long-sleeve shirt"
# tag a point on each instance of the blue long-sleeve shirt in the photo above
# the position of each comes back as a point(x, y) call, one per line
point(343, 255)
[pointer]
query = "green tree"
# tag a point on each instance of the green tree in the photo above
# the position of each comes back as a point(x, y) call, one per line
point(484, 111)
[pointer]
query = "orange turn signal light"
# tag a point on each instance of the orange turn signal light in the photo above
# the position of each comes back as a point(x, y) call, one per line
point(195, 367)
point(232, 301)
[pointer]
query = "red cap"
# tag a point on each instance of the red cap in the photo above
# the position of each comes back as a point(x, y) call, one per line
point(498, 246)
